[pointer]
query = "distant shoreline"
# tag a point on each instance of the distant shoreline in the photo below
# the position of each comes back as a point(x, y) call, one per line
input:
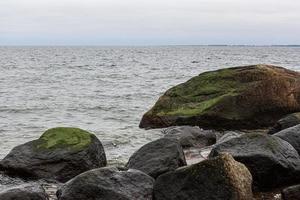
point(132, 46)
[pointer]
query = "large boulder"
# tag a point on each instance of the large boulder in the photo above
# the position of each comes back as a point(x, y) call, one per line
point(286, 122)
point(291, 193)
point(158, 157)
point(272, 161)
point(214, 179)
point(60, 153)
point(191, 136)
point(24, 192)
point(108, 183)
point(292, 136)
point(247, 97)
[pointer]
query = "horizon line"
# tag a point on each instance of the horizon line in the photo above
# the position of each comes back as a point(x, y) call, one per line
point(149, 45)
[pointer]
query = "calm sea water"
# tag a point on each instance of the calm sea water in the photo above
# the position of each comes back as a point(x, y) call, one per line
point(105, 90)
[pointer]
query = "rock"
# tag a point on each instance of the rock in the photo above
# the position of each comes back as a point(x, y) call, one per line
point(272, 161)
point(158, 157)
point(60, 153)
point(291, 193)
point(228, 136)
point(24, 192)
point(286, 122)
point(214, 179)
point(108, 183)
point(8, 181)
point(249, 97)
point(189, 136)
point(292, 136)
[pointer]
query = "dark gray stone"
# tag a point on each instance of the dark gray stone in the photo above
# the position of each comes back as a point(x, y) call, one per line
point(158, 157)
point(291, 193)
point(291, 135)
point(286, 122)
point(108, 183)
point(24, 192)
point(62, 161)
point(272, 161)
point(213, 179)
point(191, 136)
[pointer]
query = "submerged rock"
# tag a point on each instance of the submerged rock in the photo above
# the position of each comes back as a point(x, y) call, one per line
point(108, 183)
point(291, 193)
point(60, 153)
point(249, 97)
point(286, 122)
point(24, 192)
point(292, 136)
point(272, 161)
point(214, 179)
point(158, 157)
point(191, 136)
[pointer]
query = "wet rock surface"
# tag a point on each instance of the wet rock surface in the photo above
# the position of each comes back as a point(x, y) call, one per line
point(158, 157)
point(108, 183)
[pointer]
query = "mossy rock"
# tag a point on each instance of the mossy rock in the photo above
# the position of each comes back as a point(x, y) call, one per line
point(64, 137)
point(234, 98)
point(60, 153)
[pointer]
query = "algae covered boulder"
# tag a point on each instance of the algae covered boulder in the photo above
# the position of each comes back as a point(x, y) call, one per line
point(60, 153)
point(214, 179)
point(108, 183)
point(248, 97)
point(272, 161)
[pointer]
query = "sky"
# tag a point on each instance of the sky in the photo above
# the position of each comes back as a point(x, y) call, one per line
point(149, 22)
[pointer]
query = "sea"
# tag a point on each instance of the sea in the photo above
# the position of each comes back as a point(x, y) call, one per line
point(106, 90)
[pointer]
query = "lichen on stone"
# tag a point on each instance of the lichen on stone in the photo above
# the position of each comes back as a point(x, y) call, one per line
point(64, 137)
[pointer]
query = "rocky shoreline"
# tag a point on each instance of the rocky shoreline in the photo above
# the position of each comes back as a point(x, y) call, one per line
point(188, 162)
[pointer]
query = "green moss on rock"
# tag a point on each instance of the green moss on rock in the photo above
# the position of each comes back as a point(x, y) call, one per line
point(232, 97)
point(198, 94)
point(64, 137)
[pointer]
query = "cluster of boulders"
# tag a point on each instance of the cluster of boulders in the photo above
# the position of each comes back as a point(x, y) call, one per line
point(158, 170)
point(238, 166)
point(188, 163)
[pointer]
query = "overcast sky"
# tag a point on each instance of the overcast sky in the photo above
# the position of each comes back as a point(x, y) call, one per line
point(149, 22)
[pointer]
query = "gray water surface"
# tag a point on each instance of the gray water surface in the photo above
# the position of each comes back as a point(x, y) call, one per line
point(105, 90)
